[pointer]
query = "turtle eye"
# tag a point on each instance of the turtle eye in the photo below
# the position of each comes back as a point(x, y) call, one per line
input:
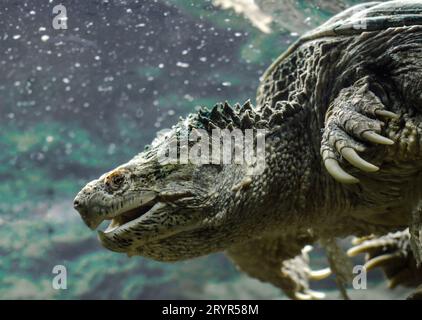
point(114, 180)
point(117, 181)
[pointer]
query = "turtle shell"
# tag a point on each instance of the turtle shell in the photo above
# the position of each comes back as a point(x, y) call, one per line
point(372, 16)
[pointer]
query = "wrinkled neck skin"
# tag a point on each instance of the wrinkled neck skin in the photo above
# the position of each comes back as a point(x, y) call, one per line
point(271, 202)
point(242, 207)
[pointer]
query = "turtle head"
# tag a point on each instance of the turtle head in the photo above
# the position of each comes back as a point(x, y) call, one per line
point(161, 209)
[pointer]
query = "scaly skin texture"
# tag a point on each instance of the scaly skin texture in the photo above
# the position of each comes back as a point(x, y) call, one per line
point(330, 103)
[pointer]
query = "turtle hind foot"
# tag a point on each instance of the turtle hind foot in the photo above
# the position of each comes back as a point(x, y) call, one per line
point(393, 254)
point(297, 274)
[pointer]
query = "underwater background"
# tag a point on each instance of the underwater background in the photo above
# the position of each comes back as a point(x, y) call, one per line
point(77, 102)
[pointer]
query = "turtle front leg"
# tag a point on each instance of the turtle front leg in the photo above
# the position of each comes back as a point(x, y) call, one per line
point(392, 253)
point(280, 262)
point(354, 121)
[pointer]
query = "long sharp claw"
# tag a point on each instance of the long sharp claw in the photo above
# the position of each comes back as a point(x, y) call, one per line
point(376, 138)
point(338, 173)
point(387, 114)
point(380, 260)
point(362, 248)
point(316, 294)
point(309, 295)
point(360, 240)
point(357, 241)
point(350, 155)
point(319, 274)
point(308, 248)
point(365, 245)
point(303, 296)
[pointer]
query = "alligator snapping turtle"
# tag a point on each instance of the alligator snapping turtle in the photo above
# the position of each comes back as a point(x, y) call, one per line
point(347, 91)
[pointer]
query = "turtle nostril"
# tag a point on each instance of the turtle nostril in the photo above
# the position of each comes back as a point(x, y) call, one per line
point(76, 204)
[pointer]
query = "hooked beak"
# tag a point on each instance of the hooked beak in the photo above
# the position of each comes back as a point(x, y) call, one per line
point(92, 221)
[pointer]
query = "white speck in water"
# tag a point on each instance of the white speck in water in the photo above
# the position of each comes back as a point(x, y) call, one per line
point(238, 34)
point(32, 12)
point(45, 38)
point(294, 34)
point(97, 58)
point(226, 84)
point(139, 113)
point(203, 59)
point(182, 64)
point(39, 68)
point(161, 65)
point(185, 52)
point(68, 148)
point(77, 64)
point(129, 10)
point(105, 88)
point(49, 139)
point(42, 29)
point(16, 36)
point(66, 80)
point(111, 148)
point(188, 97)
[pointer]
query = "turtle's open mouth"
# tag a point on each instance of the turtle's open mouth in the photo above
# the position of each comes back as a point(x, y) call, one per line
point(130, 215)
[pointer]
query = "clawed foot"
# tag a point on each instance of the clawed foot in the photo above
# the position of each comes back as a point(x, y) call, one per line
point(393, 254)
point(296, 273)
point(353, 122)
